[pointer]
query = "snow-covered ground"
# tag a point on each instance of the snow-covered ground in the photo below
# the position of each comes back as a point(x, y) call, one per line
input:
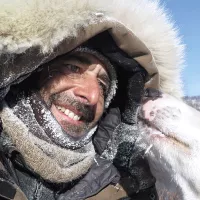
point(193, 101)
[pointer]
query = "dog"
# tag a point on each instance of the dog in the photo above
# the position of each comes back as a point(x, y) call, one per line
point(170, 130)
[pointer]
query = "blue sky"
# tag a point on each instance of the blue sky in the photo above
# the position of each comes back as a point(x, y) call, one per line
point(186, 14)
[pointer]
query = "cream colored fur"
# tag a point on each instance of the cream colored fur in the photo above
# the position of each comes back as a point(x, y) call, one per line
point(28, 23)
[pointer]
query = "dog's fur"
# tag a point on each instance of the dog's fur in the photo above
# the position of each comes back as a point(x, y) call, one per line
point(170, 129)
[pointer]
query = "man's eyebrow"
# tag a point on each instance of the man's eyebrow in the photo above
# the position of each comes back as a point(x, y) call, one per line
point(79, 58)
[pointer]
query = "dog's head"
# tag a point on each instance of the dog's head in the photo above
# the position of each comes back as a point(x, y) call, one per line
point(171, 131)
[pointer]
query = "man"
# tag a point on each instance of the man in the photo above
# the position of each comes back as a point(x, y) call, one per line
point(61, 105)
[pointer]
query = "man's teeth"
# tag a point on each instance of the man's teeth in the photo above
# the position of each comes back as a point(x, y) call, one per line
point(69, 113)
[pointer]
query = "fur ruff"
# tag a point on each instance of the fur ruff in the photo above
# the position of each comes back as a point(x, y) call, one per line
point(26, 24)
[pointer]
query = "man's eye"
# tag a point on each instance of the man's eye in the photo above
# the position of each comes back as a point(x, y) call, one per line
point(104, 88)
point(73, 68)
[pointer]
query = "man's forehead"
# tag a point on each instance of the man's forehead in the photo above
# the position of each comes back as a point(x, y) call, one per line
point(84, 58)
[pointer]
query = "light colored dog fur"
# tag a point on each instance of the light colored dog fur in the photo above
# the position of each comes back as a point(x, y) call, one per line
point(171, 132)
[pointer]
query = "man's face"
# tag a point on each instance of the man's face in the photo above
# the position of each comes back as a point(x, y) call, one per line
point(74, 87)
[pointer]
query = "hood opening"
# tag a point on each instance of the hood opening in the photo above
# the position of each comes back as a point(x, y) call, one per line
point(20, 65)
point(124, 65)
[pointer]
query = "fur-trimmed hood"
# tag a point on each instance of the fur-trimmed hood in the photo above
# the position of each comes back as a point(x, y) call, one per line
point(33, 32)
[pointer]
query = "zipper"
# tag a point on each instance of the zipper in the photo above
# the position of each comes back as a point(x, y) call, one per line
point(37, 192)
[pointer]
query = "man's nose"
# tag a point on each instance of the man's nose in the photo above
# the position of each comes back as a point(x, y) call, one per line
point(88, 90)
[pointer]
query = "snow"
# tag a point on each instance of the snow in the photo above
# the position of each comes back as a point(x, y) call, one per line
point(193, 101)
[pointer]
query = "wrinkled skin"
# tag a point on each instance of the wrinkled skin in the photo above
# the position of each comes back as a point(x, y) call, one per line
point(78, 83)
point(170, 129)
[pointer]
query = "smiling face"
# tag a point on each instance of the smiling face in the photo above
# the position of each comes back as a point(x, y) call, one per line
point(74, 87)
